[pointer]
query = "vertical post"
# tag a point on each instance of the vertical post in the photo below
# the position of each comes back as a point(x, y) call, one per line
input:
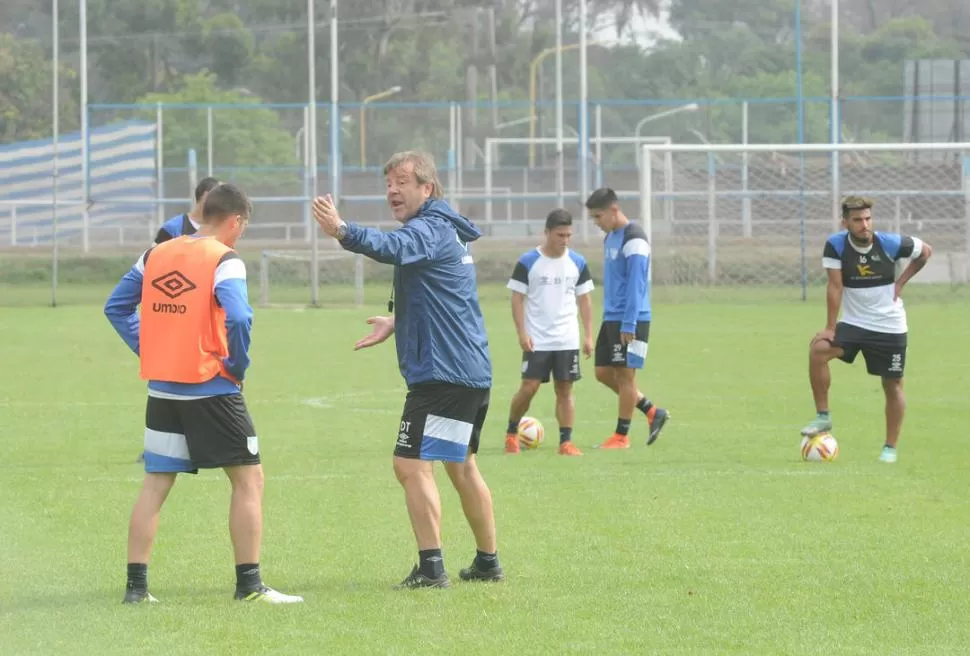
point(193, 173)
point(746, 228)
point(159, 167)
point(85, 129)
point(646, 200)
point(458, 152)
point(308, 223)
point(800, 129)
point(583, 121)
point(598, 119)
point(525, 191)
point(488, 183)
point(264, 279)
point(210, 140)
point(314, 230)
point(560, 155)
point(451, 154)
point(669, 186)
point(835, 120)
point(55, 140)
point(711, 219)
point(335, 156)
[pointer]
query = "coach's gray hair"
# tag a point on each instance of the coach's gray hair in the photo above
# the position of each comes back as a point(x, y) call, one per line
point(424, 169)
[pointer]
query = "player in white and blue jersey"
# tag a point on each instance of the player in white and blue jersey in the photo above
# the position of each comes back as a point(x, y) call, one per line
point(862, 284)
point(549, 283)
point(188, 223)
point(621, 347)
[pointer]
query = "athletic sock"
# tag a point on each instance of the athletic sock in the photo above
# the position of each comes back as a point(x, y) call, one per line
point(622, 426)
point(247, 577)
point(823, 415)
point(644, 405)
point(485, 561)
point(565, 434)
point(513, 427)
point(138, 577)
point(430, 563)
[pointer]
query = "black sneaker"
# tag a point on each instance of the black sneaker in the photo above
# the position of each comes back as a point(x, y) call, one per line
point(133, 596)
point(473, 573)
point(660, 417)
point(418, 580)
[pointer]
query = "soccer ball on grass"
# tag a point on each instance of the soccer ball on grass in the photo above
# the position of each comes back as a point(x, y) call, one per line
point(531, 433)
point(821, 448)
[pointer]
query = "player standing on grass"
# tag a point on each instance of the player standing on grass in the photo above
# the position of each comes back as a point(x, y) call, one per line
point(442, 352)
point(192, 339)
point(862, 283)
point(187, 224)
point(621, 346)
point(547, 284)
point(184, 224)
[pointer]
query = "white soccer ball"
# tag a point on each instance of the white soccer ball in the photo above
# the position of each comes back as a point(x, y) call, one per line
point(531, 432)
point(820, 448)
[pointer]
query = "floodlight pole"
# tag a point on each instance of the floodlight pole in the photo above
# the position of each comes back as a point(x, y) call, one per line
point(583, 121)
point(312, 134)
point(560, 159)
point(55, 129)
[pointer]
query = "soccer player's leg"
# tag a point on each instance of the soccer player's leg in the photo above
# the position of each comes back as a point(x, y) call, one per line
point(220, 435)
point(566, 372)
point(885, 356)
point(843, 346)
point(476, 503)
point(165, 456)
point(636, 359)
point(536, 367)
point(436, 424)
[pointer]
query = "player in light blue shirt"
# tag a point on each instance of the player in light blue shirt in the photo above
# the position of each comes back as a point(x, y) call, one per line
point(621, 347)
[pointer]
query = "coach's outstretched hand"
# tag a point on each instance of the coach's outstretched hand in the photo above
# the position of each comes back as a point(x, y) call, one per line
point(383, 328)
point(326, 214)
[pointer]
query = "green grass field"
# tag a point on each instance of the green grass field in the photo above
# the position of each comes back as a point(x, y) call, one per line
point(717, 539)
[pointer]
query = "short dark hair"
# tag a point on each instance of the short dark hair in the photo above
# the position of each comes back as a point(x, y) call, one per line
point(558, 218)
point(205, 185)
point(225, 200)
point(601, 199)
point(851, 203)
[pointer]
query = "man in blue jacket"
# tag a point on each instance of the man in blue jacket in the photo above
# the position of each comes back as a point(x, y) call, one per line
point(442, 352)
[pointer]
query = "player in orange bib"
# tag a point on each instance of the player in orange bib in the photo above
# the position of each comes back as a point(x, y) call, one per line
point(193, 340)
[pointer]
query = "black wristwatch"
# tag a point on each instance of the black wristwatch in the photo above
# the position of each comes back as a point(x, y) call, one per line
point(342, 232)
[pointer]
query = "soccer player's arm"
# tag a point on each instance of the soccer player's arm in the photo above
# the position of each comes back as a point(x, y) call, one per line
point(413, 243)
point(636, 251)
point(121, 308)
point(832, 263)
point(919, 253)
point(584, 285)
point(519, 284)
point(233, 296)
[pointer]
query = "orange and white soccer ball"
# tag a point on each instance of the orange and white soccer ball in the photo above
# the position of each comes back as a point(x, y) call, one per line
point(821, 448)
point(531, 433)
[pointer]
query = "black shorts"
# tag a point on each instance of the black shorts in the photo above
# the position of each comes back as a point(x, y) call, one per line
point(538, 365)
point(184, 436)
point(885, 353)
point(611, 352)
point(441, 421)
